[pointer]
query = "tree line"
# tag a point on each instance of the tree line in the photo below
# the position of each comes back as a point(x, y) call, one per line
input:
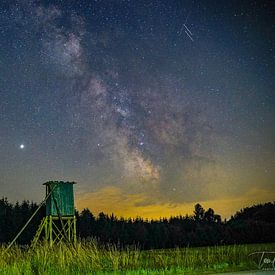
point(255, 224)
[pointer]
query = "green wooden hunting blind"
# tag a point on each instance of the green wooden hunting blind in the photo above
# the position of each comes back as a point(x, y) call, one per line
point(59, 224)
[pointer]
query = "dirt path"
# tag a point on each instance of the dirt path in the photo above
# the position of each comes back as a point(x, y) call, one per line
point(255, 272)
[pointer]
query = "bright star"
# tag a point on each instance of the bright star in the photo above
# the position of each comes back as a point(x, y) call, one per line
point(22, 146)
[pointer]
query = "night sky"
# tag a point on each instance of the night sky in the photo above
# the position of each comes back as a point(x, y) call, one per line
point(150, 106)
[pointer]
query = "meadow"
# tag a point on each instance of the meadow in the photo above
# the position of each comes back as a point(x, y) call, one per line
point(91, 258)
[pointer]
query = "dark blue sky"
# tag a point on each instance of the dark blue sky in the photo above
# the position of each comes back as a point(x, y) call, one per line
point(171, 101)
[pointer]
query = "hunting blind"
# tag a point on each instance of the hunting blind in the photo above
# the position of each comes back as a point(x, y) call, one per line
point(59, 223)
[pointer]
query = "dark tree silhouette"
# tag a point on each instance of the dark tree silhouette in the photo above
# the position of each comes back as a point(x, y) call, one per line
point(249, 225)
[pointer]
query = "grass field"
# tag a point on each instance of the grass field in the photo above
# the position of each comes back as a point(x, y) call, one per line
point(88, 258)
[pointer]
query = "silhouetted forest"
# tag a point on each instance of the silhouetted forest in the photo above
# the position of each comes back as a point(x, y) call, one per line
point(254, 224)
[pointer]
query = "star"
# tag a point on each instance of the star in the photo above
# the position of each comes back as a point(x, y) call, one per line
point(22, 146)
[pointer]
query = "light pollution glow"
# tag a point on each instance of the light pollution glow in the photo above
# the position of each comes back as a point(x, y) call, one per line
point(112, 200)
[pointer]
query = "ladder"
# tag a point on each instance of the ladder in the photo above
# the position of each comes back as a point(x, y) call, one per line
point(38, 232)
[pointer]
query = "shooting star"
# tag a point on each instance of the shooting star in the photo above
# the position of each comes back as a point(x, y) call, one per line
point(187, 30)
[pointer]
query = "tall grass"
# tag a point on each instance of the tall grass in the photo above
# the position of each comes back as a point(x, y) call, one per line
point(90, 258)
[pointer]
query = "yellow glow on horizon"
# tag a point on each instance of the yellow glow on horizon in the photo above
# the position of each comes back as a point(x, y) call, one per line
point(112, 200)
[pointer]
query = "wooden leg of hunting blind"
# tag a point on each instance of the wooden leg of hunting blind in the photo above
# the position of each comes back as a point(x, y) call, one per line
point(74, 237)
point(51, 230)
point(46, 228)
point(69, 230)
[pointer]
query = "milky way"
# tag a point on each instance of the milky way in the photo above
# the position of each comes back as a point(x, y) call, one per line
point(114, 95)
